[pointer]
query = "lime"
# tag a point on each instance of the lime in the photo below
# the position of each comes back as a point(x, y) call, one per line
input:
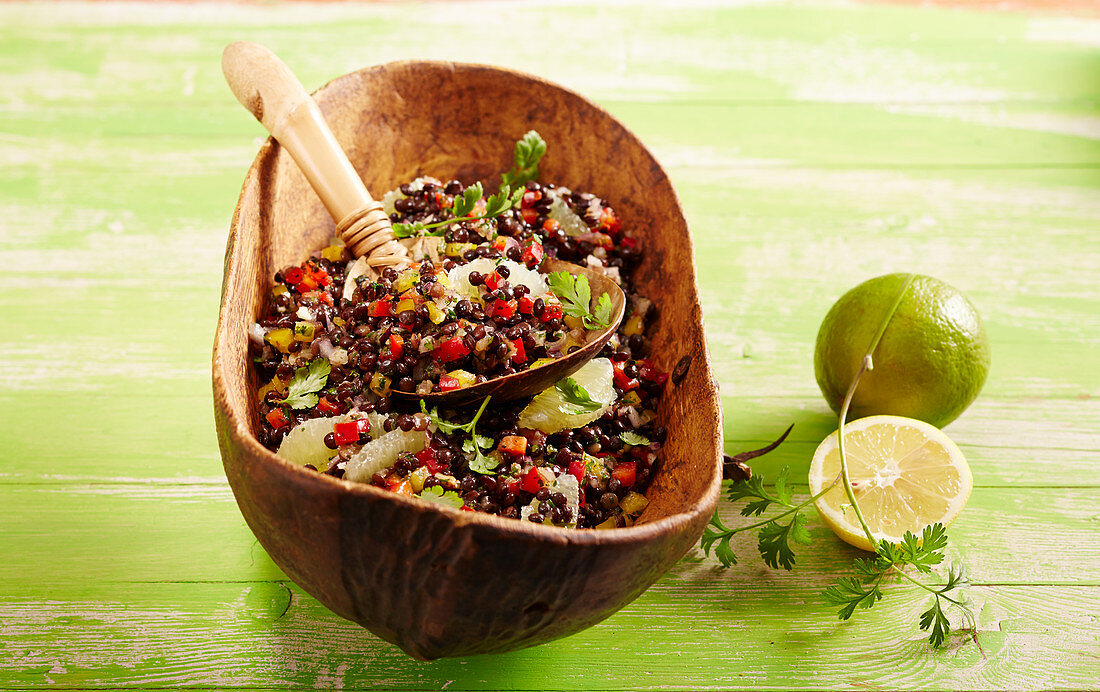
point(930, 364)
point(905, 474)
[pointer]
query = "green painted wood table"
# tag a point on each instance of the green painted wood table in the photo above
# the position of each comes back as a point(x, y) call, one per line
point(814, 145)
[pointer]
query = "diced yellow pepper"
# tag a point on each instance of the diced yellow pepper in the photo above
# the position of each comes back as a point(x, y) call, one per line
point(457, 249)
point(304, 331)
point(280, 339)
point(632, 399)
point(434, 313)
point(279, 290)
point(417, 478)
point(465, 378)
point(274, 385)
point(634, 325)
point(407, 280)
point(404, 306)
point(573, 322)
point(633, 503)
point(339, 321)
point(608, 524)
point(541, 361)
point(333, 253)
point(380, 384)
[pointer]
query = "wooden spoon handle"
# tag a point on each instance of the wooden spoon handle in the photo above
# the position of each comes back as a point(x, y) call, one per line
point(269, 90)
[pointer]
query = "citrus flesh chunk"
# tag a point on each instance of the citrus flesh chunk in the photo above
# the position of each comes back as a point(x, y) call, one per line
point(905, 474)
point(305, 444)
point(549, 411)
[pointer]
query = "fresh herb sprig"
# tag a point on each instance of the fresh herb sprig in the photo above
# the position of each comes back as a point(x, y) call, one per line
point(526, 157)
point(864, 588)
point(462, 209)
point(774, 537)
point(440, 496)
point(576, 297)
point(575, 399)
point(475, 444)
point(307, 382)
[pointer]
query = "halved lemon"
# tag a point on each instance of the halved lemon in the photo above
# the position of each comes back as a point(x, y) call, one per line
point(905, 474)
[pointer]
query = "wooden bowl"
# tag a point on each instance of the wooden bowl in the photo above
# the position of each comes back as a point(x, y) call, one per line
point(433, 580)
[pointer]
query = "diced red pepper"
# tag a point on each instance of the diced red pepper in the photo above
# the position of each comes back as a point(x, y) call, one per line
point(277, 418)
point(513, 486)
point(501, 308)
point(533, 254)
point(526, 305)
point(397, 346)
point(346, 432)
point(531, 481)
point(326, 298)
point(626, 472)
point(448, 383)
point(466, 508)
point(530, 197)
point(576, 470)
point(625, 382)
point(629, 242)
point(609, 221)
point(308, 283)
point(552, 312)
point(429, 460)
point(321, 277)
point(326, 406)
point(451, 349)
point(381, 308)
point(521, 353)
point(529, 215)
point(551, 225)
point(500, 243)
point(515, 445)
point(293, 275)
point(493, 280)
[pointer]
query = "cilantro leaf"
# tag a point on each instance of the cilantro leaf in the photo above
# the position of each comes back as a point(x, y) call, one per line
point(526, 157)
point(576, 398)
point(480, 463)
point(502, 201)
point(632, 438)
point(601, 316)
point(935, 618)
point(576, 297)
point(464, 203)
point(775, 540)
point(717, 536)
point(308, 380)
point(752, 488)
point(437, 495)
point(851, 593)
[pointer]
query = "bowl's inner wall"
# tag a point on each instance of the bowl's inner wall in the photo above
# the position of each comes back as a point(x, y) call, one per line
point(400, 121)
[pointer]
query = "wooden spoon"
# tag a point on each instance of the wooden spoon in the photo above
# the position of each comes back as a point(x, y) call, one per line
point(267, 88)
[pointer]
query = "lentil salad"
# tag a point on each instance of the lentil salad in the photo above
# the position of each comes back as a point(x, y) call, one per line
point(336, 340)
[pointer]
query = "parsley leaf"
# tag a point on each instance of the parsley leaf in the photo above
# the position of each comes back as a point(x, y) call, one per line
point(576, 296)
point(439, 496)
point(753, 488)
point(308, 380)
point(576, 398)
point(463, 209)
point(464, 203)
point(526, 156)
point(632, 438)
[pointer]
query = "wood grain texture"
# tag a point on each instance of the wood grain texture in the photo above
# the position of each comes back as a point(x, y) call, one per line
point(813, 145)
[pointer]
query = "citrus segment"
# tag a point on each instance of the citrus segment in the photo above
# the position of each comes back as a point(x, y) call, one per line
point(305, 444)
point(905, 474)
point(550, 413)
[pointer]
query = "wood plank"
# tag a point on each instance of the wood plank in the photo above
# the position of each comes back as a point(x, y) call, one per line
point(155, 531)
point(740, 636)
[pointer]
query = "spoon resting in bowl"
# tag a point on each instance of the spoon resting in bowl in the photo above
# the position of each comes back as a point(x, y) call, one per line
point(267, 88)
